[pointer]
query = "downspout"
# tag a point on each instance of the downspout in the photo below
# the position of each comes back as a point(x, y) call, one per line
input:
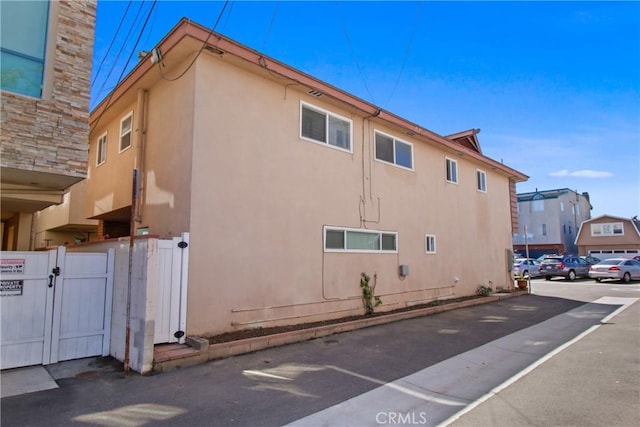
point(141, 132)
point(135, 214)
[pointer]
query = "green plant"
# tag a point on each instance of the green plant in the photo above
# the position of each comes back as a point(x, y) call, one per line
point(369, 300)
point(484, 291)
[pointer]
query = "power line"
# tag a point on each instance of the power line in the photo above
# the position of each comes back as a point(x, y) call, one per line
point(273, 18)
point(115, 35)
point(153, 5)
point(104, 82)
point(353, 55)
point(406, 52)
point(199, 51)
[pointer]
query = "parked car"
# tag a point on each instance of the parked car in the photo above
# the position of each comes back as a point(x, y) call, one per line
point(568, 267)
point(591, 260)
point(637, 258)
point(526, 267)
point(624, 269)
point(542, 257)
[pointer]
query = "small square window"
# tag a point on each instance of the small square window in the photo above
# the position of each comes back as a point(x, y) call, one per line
point(388, 242)
point(334, 239)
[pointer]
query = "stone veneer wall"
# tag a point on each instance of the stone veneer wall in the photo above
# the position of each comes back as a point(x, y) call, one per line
point(51, 135)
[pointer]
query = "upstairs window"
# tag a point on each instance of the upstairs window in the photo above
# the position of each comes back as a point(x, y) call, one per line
point(452, 170)
point(359, 240)
point(101, 155)
point(481, 178)
point(321, 126)
point(607, 229)
point(23, 44)
point(126, 126)
point(394, 151)
point(538, 203)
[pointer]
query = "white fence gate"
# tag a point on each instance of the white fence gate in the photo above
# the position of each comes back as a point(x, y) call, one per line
point(54, 306)
point(171, 290)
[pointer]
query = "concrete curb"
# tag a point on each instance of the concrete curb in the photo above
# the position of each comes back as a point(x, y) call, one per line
point(204, 353)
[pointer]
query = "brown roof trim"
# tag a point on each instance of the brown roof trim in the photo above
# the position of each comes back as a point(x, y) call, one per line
point(188, 28)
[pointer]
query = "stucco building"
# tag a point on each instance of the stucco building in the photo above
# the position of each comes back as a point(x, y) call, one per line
point(47, 48)
point(291, 188)
point(551, 219)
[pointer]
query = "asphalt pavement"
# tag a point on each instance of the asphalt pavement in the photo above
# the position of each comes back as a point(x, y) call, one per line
point(468, 366)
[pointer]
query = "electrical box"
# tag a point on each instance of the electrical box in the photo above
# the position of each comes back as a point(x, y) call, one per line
point(403, 270)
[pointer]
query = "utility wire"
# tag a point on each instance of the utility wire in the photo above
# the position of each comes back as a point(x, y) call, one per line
point(199, 51)
point(353, 55)
point(135, 46)
point(273, 18)
point(104, 82)
point(406, 52)
point(115, 35)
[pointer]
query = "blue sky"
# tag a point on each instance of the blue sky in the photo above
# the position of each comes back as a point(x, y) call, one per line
point(553, 86)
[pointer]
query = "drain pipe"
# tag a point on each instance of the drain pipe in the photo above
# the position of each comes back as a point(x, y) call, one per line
point(132, 230)
point(136, 214)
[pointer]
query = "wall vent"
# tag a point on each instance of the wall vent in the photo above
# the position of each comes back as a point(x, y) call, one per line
point(315, 93)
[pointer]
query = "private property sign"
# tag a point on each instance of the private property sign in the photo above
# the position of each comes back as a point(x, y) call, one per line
point(12, 266)
point(10, 288)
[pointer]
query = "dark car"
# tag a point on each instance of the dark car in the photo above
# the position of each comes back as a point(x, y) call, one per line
point(568, 267)
point(591, 260)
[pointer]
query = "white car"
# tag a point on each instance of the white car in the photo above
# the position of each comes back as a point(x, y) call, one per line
point(624, 269)
point(526, 267)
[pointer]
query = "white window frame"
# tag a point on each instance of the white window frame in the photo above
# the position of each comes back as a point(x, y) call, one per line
point(430, 243)
point(346, 230)
point(124, 133)
point(327, 114)
point(602, 229)
point(481, 184)
point(101, 149)
point(394, 141)
point(447, 173)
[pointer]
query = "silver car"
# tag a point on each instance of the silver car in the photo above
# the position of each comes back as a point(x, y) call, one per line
point(616, 268)
point(525, 267)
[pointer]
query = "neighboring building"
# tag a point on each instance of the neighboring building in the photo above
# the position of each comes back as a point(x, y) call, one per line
point(552, 219)
point(65, 223)
point(291, 188)
point(609, 236)
point(45, 78)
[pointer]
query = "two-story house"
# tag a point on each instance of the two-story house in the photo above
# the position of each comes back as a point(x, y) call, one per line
point(549, 221)
point(45, 78)
point(291, 188)
point(609, 236)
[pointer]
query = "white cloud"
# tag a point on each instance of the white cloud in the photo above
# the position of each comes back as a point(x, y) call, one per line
point(585, 173)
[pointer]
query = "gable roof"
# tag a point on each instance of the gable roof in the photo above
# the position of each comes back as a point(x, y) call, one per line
point(467, 139)
point(635, 223)
point(188, 39)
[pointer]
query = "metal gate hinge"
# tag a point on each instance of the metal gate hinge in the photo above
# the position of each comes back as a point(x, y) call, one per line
point(182, 245)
